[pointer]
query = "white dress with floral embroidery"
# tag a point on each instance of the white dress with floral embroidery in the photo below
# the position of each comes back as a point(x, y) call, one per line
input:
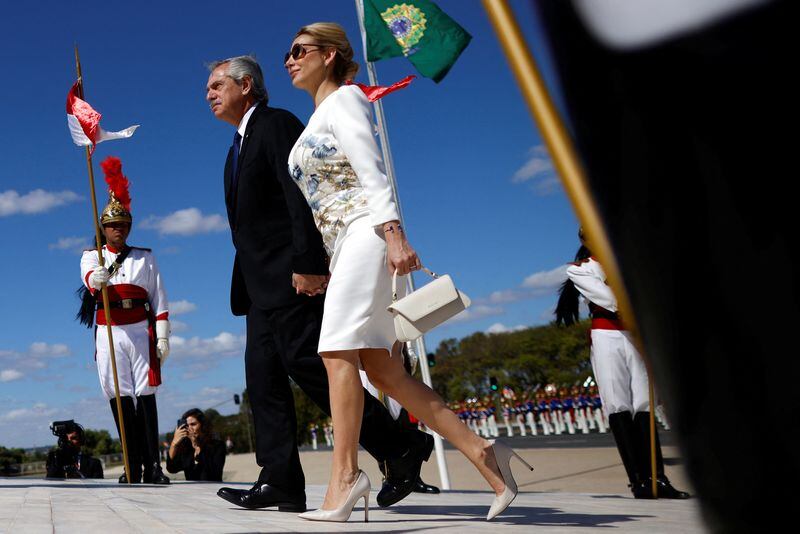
point(337, 165)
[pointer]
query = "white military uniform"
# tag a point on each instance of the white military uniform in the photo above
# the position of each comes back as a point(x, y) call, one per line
point(137, 279)
point(618, 367)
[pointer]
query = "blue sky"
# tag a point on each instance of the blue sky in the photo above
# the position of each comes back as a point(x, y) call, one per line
point(478, 192)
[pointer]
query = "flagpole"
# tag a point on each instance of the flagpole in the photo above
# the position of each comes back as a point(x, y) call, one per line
point(568, 165)
point(422, 354)
point(104, 289)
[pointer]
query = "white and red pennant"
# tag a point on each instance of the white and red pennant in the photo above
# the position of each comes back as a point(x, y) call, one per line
point(84, 122)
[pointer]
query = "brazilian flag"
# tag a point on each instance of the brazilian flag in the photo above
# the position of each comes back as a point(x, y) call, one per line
point(417, 29)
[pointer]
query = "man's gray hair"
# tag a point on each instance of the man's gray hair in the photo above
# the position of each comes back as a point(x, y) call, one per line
point(241, 66)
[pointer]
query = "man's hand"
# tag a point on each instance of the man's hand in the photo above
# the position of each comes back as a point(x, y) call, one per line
point(310, 284)
point(162, 335)
point(99, 277)
point(162, 346)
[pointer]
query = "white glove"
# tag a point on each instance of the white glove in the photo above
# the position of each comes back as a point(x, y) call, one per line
point(162, 346)
point(99, 277)
point(162, 335)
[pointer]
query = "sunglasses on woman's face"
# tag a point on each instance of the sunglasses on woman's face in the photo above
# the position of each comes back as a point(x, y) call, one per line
point(299, 51)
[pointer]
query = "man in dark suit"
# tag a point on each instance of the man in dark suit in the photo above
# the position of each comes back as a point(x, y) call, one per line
point(279, 275)
point(69, 461)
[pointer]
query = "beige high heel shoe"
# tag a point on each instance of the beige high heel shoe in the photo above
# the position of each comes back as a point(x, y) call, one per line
point(503, 454)
point(360, 489)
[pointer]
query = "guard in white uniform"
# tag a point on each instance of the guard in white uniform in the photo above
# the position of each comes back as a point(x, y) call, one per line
point(620, 373)
point(140, 327)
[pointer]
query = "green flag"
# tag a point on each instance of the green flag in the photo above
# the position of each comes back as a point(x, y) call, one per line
point(417, 29)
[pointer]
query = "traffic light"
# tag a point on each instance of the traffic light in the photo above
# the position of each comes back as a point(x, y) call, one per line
point(493, 383)
point(236, 399)
point(431, 359)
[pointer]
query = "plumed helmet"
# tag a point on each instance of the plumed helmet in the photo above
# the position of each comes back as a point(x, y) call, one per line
point(118, 208)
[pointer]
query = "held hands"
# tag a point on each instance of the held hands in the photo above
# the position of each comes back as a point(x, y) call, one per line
point(99, 277)
point(310, 284)
point(400, 256)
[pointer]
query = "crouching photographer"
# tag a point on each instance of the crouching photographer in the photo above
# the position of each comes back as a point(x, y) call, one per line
point(194, 450)
point(67, 460)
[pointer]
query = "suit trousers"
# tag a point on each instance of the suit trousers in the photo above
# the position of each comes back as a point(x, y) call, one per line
point(282, 343)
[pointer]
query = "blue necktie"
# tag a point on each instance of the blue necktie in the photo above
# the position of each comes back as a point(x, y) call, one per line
point(237, 139)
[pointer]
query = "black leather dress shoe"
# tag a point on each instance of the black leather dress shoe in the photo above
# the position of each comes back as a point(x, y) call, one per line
point(421, 487)
point(123, 479)
point(155, 475)
point(265, 496)
point(401, 474)
point(644, 490)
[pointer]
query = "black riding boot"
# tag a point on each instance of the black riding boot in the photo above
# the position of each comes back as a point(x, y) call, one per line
point(665, 490)
point(131, 438)
point(625, 436)
point(147, 423)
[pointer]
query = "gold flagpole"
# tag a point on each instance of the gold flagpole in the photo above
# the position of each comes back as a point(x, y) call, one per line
point(104, 290)
point(565, 160)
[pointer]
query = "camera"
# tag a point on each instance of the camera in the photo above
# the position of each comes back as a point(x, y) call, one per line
point(64, 459)
point(182, 422)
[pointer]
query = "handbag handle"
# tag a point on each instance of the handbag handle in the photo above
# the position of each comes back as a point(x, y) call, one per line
point(394, 280)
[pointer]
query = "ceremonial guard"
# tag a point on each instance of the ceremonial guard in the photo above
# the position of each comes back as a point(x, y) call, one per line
point(530, 415)
point(567, 409)
point(507, 419)
point(544, 413)
point(140, 327)
point(597, 409)
point(519, 415)
point(620, 372)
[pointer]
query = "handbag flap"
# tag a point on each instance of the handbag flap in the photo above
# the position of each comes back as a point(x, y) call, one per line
point(426, 299)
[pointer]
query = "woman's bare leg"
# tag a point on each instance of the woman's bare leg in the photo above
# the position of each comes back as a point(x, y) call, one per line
point(388, 375)
point(347, 408)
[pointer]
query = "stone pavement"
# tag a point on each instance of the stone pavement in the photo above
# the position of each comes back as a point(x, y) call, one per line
point(32, 506)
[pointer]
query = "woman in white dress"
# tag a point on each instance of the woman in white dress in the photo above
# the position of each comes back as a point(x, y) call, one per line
point(338, 167)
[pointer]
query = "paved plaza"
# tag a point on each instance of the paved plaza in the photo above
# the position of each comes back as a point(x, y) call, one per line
point(43, 506)
point(572, 489)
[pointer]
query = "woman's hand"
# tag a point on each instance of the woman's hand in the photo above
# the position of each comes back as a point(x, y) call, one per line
point(181, 433)
point(400, 256)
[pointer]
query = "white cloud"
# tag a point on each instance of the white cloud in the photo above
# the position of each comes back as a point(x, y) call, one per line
point(7, 375)
point(180, 307)
point(189, 221)
point(474, 312)
point(37, 201)
point(546, 280)
point(500, 328)
point(36, 357)
point(538, 170)
point(176, 327)
point(38, 410)
point(40, 349)
point(224, 343)
point(71, 244)
point(539, 284)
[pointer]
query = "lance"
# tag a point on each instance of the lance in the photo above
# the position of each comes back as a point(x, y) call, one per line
point(104, 289)
point(567, 165)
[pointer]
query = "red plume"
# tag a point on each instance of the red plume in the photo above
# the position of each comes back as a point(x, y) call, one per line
point(117, 182)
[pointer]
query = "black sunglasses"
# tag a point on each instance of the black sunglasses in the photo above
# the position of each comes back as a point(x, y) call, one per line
point(299, 51)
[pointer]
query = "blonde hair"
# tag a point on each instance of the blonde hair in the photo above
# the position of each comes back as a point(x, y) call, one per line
point(333, 35)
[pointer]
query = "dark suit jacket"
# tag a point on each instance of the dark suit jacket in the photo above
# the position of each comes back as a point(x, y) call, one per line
point(57, 459)
point(208, 466)
point(271, 224)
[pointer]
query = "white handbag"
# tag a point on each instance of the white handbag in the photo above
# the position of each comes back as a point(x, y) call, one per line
point(427, 307)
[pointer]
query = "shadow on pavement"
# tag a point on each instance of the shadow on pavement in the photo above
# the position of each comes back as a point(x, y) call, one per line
point(515, 515)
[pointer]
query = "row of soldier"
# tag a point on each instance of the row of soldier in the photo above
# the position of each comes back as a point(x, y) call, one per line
point(552, 411)
point(546, 412)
